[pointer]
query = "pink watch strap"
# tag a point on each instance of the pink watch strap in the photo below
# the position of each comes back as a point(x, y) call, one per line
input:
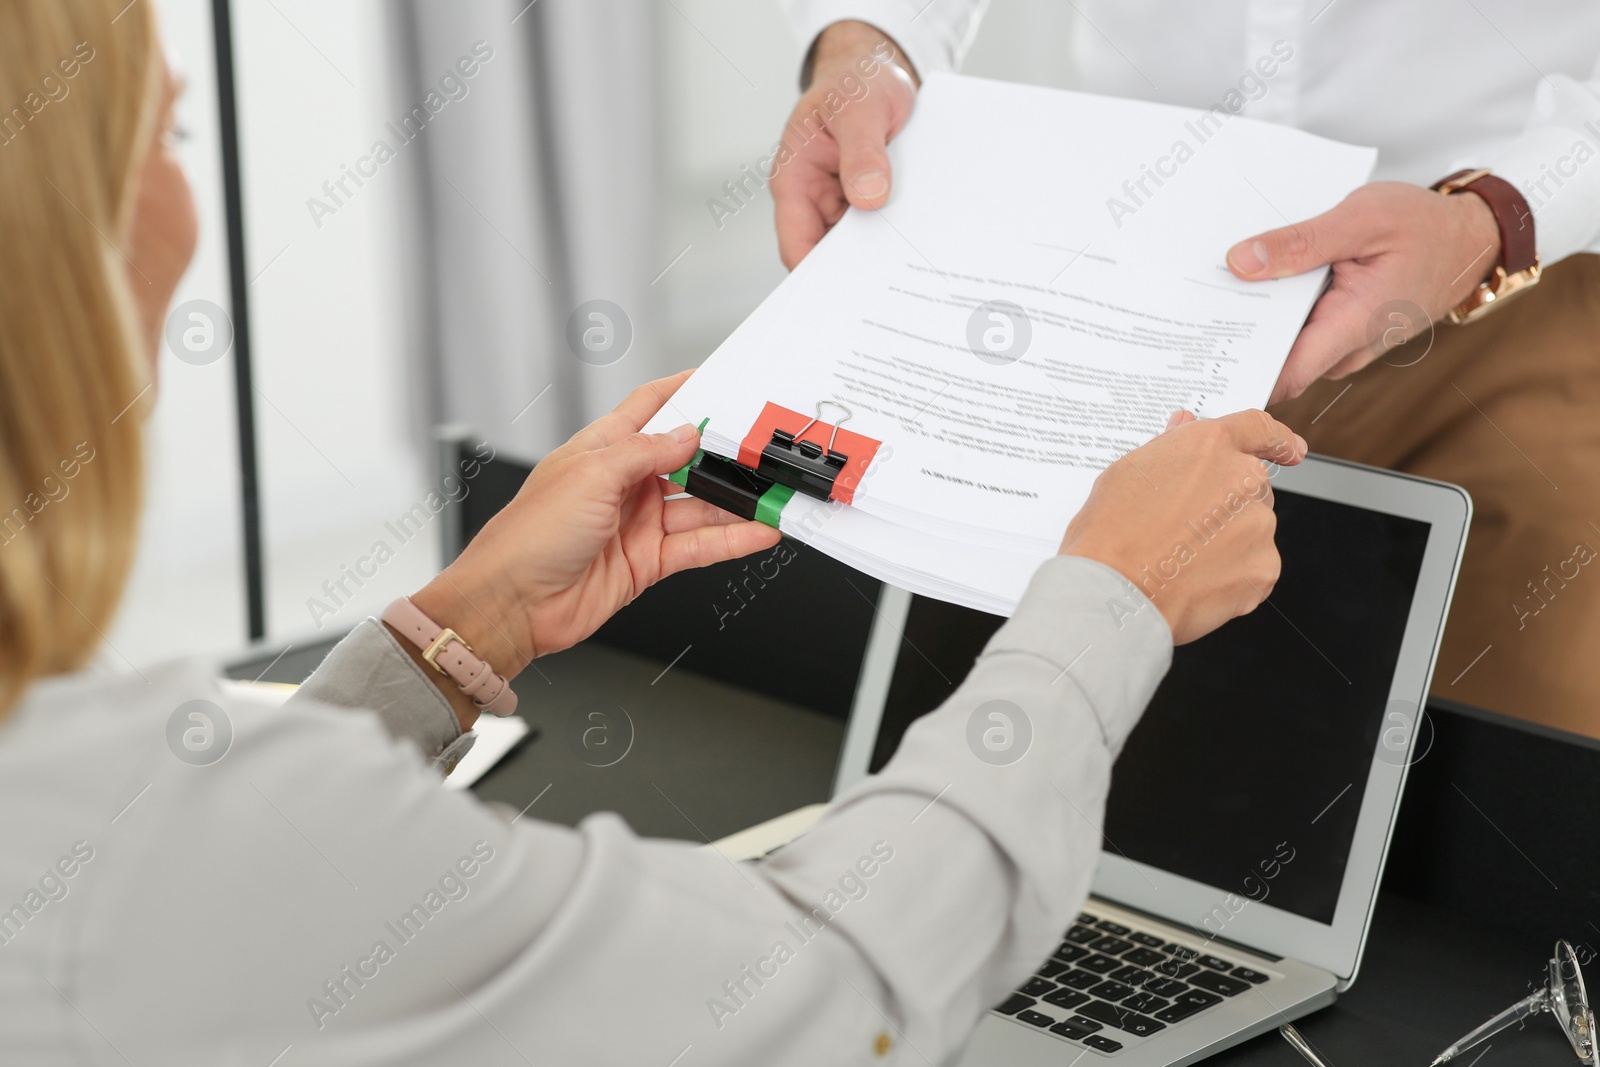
point(448, 654)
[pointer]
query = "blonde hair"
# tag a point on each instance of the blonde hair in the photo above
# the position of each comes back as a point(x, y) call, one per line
point(79, 93)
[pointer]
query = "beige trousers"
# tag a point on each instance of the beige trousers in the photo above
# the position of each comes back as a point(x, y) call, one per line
point(1509, 408)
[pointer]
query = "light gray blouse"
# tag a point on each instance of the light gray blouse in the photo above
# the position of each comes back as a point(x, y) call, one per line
point(314, 897)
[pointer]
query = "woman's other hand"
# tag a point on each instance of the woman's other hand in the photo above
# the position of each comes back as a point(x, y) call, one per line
point(1188, 518)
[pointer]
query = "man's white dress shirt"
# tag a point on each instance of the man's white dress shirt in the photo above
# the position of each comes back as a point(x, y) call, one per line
point(1434, 85)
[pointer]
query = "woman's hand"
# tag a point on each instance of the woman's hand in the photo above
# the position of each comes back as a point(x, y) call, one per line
point(589, 530)
point(1188, 518)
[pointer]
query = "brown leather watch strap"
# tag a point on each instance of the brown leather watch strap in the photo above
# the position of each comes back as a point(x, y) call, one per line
point(1518, 250)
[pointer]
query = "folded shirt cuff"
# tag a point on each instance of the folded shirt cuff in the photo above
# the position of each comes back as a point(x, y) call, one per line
point(917, 38)
point(1100, 631)
point(369, 669)
point(1549, 164)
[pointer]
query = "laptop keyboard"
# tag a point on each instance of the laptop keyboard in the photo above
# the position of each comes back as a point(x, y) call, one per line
point(1108, 986)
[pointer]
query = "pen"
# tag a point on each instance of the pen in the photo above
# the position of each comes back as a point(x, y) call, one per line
point(1301, 1045)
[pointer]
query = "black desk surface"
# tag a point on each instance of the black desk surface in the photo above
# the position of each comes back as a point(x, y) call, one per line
point(694, 758)
point(1428, 978)
point(1493, 859)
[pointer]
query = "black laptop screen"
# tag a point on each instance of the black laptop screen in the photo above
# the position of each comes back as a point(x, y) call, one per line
point(1253, 756)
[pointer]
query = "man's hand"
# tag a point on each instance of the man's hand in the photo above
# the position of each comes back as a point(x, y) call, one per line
point(588, 531)
point(1188, 518)
point(1386, 241)
point(834, 148)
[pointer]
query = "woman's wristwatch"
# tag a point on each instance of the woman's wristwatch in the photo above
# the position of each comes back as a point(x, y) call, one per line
point(447, 653)
point(1518, 268)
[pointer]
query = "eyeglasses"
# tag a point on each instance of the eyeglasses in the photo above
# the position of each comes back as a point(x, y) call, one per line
point(1563, 996)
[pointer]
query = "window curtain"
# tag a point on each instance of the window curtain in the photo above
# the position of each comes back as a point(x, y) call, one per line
point(531, 196)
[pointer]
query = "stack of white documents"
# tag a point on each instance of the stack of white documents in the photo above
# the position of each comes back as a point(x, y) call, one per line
point(1045, 286)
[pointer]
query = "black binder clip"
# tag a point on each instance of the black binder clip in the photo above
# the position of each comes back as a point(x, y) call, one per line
point(731, 487)
point(805, 465)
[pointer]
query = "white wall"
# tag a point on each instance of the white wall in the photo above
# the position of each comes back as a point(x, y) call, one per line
point(337, 454)
point(187, 589)
point(726, 94)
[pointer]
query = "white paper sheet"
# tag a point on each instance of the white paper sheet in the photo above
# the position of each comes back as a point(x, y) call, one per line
point(496, 737)
point(1106, 223)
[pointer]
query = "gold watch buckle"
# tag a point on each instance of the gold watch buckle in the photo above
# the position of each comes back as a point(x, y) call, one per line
point(1500, 287)
point(437, 645)
point(1465, 180)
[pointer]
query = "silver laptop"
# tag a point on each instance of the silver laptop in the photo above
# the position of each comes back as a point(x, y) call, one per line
point(1251, 809)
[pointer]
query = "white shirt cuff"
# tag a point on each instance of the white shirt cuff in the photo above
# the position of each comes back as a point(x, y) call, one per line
point(927, 42)
point(1556, 166)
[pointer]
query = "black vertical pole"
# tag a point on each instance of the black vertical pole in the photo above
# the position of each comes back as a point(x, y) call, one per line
point(244, 389)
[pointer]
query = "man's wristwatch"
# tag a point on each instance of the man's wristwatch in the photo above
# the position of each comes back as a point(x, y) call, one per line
point(1518, 268)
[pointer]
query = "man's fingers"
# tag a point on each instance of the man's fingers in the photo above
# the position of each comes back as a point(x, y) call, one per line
point(800, 227)
point(806, 196)
point(801, 211)
point(705, 545)
point(1350, 364)
point(1309, 360)
point(1336, 329)
point(1258, 434)
point(1334, 235)
point(863, 130)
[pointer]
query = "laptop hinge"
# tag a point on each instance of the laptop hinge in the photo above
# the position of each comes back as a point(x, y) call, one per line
point(1204, 935)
